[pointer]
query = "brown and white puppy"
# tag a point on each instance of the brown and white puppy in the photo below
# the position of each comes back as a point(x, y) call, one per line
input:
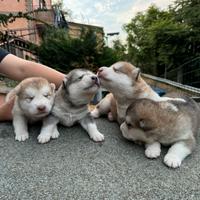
point(34, 99)
point(168, 122)
point(71, 105)
point(124, 82)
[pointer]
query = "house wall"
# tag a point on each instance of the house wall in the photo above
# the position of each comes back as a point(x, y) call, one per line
point(22, 27)
point(30, 30)
point(76, 28)
point(14, 6)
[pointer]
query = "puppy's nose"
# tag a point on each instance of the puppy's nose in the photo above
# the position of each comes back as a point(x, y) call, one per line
point(94, 78)
point(41, 108)
point(100, 70)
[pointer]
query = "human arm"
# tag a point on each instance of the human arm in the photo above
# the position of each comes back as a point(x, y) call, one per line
point(17, 68)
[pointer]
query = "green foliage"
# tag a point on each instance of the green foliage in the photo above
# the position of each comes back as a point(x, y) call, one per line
point(10, 18)
point(64, 53)
point(107, 57)
point(187, 10)
point(159, 39)
point(120, 50)
point(5, 19)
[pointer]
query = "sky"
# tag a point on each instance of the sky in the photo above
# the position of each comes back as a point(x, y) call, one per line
point(110, 14)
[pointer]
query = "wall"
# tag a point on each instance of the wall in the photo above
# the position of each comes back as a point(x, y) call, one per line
point(36, 4)
point(13, 6)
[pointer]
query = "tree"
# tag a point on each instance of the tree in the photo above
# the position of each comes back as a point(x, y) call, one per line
point(143, 32)
point(187, 12)
point(64, 53)
point(162, 39)
point(120, 50)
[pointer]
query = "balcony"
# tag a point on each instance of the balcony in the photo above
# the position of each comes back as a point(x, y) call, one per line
point(43, 12)
point(44, 15)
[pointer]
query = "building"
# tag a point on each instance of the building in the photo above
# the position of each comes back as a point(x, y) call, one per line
point(23, 28)
point(76, 28)
point(21, 32)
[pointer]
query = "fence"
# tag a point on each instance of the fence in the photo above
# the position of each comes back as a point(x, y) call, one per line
point(172, 86)
point(14, 42)
point(187, 74)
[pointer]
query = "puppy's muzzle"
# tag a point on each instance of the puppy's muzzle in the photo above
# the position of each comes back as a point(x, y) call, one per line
point(100, 70)
point(41, 108)
point(95, 80)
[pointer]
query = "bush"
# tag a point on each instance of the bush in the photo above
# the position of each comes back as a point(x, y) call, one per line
point(64, 53)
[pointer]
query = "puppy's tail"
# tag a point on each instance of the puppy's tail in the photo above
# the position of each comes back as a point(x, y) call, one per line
point(12, 94)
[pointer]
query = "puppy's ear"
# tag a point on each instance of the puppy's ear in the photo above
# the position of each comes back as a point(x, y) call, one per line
point(136, 74)
point(53, 87)
point(65, 81)
point(14, 92)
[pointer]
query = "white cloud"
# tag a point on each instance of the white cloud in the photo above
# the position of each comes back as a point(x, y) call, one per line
point(99, 7)
point(111, 14)
point(105, 5)
point(140, 6)
point(125, 16)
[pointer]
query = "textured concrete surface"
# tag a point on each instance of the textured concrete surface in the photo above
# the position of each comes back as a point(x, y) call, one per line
point(74, 167)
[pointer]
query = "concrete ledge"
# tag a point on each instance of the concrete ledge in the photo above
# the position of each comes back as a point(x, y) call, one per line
point(170, 86)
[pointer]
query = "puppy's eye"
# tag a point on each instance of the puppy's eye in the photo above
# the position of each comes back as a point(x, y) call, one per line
point(128, 125)
point(46, 95)
point(80, 77)
point(29, 98)
point(116, 70)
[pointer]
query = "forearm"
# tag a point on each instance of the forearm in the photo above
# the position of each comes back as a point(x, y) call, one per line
point(37, 69)
point(19, 69)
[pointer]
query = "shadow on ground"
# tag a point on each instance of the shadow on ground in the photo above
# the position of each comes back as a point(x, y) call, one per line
point(74, 167)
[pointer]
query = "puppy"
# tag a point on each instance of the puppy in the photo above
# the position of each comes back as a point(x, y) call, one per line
point(71, 105)
point(34, 99)
point(170, 122)
point(125, 83)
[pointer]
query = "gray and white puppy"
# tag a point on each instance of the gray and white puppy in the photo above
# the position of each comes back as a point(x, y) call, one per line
point(71, 105)
point(168, 122)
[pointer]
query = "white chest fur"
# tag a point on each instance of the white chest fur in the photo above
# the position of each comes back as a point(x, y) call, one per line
point(68, 118)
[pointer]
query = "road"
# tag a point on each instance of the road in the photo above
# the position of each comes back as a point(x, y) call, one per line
point(74, 167)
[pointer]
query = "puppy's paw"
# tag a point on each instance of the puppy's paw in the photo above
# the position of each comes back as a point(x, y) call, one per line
point(152, 153)
point(97, 137)
point(55, 134)
point(21, 137)
point(95, 113)
point(172, 160)
point(153, 150)
point(43, 138)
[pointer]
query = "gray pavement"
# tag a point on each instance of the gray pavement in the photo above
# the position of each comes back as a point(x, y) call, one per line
point(74, 167)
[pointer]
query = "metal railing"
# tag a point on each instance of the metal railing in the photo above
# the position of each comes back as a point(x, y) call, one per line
point(188, 73)
point(42, 6)
point(194, 91)
point(18, 46)
point(22, 33)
